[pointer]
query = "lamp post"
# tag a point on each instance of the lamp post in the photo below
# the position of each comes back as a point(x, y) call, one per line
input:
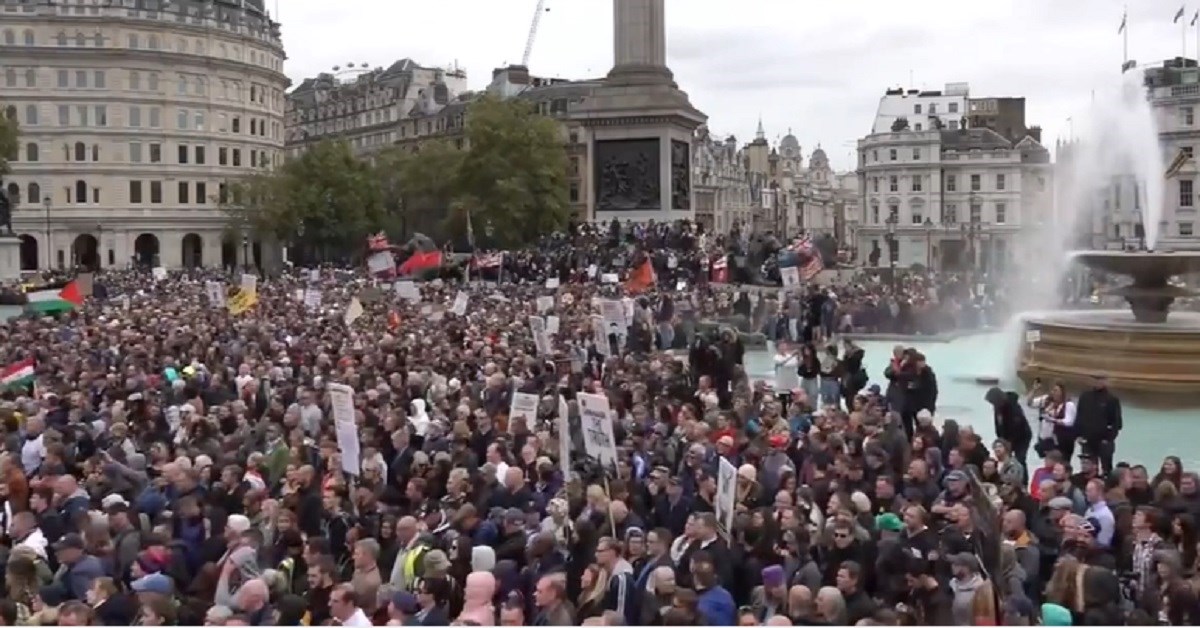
point(1139, 229)
point(49, 251)
point(928, 244)
point(891, 240)
point(245, 252)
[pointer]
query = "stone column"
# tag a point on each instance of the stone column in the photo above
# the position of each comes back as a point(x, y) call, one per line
point(639, 43)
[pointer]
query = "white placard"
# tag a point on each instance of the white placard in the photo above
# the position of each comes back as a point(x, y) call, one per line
point(314, 274)
point(545, 304)
point(215, 291)
point(591, 271)
point(354, 311)
point(552, 323)
point(613, 312)
point(1033, 335)
point(159, 273)
point(407, 290)
point(312, 299)
point(609, 278)
point(791, 277)
point(596, 423)
point(680, 285)
point(552, 283)
point(541, 339)
point(460, 303)
point(524, 405)
point(249, 283)
point(726, 501)
point(381, 262)
point(298, 295)
point(600, 335)
point(564, 438)
point(341, 402)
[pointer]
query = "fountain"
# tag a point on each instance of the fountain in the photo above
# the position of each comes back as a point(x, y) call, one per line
point(1146, 351)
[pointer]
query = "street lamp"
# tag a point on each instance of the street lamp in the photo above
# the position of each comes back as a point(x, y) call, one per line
point(245, 252)
point(99, 246)
point(928, 244)
point(49, 253)
point(891, 240)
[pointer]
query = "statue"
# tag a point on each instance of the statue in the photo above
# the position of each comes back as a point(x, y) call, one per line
point(5, 213)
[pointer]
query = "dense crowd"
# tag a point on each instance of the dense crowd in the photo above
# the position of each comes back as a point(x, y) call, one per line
point(173, 462)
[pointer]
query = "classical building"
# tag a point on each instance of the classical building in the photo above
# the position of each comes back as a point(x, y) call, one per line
point(133, 115)
point(368, 109)
point(723, 186)
point(923, 109)
point(1174, 92)
point(950, 199)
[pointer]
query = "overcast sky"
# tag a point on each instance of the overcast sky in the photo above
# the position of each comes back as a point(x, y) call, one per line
point(817, 68)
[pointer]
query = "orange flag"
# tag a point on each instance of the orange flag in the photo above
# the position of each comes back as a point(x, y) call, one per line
point(641, 278)
point(393, 320)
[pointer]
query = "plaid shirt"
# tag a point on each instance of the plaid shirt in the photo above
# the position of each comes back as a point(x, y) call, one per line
point(1143, 562)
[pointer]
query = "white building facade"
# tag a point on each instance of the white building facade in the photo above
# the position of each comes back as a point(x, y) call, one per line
point(923, 110)
point(722, 183)
point(134, 116)
point(1174, 92)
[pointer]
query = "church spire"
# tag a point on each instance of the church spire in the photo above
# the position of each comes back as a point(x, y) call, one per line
point(760, 134)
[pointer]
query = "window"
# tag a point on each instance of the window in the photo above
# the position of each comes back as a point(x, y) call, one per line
point(81, 78)
point(1001, 213)
point(222, 156)
point(917, 108)
point(64, 115)
point(183, 153)
point(237, 156)
point(152, 82)
point(153, 42)
point(892, 155)
point(875, 214)
point(976, 183)
point(200, 86)
point(156, 192)
point(31, 78)
point(253, 123)
point(14, 193)
point(950, 214)
point(156, 153)
point(132, 41)
point(101, 112)
point(976, 213)
point(1000, 182)
point(201, 193)
point(181, 119)
point(135, 117)
point(99, 79)
point(893, 212)
point(916, 183)
point(223, 123)
point(200, 155)
point(80, 40)
point(223, 193)
point(933, 109)
point(1186, 195)
point(198, 121)
point(31, 152)
point(155, 118)
point(10, 77)
point(184, 189)
point(874, 184)
point(916, 153)
point(1186, 150)
point(31, 114)
point(96, 195)
point(135, 192)
point(182, 86)
point(135, 81)
point(1187, 115)
point(80, 151)
point(894, 183)
point(29, 37)
point(81, 192)
point(918, 214)
point(953, 107)
point(237, 124)
point(64, 78)
point(1185, 229)
point(35, 193)
point(951, 183)
point(953, 125)
point(135, 152)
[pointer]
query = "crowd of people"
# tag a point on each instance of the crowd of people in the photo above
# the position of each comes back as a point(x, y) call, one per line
point(172, 462)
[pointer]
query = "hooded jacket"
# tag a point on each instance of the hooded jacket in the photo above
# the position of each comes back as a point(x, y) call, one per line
point(964, 599)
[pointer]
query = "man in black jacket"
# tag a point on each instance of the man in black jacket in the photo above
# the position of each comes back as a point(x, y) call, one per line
point(1098, 422)
point(1010, 422)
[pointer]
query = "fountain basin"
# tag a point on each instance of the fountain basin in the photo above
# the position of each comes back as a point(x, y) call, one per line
point(1157, 363)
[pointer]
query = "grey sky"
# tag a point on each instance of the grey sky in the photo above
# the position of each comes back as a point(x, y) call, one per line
point(818, 68)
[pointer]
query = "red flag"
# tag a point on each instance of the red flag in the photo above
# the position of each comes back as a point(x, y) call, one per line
point(71, 294)
point(421, 261)
point(393, 320)
point(641, 278)
point(720, 269)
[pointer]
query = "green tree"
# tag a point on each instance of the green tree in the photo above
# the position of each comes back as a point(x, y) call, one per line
point(513, 177)
point(9, 144)
point(418, 188)
point(325, 201)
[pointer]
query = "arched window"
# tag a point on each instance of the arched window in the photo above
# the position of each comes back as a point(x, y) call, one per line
point(31, 152)
point(10, 112)
point(61, 39)
point(29, 41)
point(80, 151)
point(154, 42)
point(182, 85)
point(95, 152)
point(80, 40)
point(81, 192)
point(31, 114)
point(10, 38)
point(30, 77)
point(10, 77)
point(98, 40)
point(34, 193)
point(14, 193)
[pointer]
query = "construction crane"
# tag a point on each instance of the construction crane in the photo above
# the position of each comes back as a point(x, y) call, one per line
point(537, 17)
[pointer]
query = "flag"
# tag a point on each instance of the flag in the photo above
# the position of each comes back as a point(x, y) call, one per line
point(641, 279)
point(242, 301)
point(720, 269)
point(378, 242)
point(1177, 164)
point(393, 321)
point(488, 260)
point(1178, 15)
point(54, 300)
point(353, 311)
point(421, 260)
point(1121, 28)
point(812, 266)
point(17, 374)
point(1195, 17)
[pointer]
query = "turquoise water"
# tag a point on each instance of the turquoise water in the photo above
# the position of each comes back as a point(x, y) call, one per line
point(1149, 434)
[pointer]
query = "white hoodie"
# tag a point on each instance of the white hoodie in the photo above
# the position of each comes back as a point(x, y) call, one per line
point(419, 417)
point(36, 541)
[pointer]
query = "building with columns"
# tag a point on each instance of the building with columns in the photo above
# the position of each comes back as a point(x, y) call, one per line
point(133, 116)
point(724, 194)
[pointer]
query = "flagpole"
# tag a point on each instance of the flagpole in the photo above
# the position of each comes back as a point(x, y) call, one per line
point(1125, 36)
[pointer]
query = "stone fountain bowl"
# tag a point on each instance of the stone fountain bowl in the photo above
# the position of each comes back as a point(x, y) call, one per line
point(1146, 267)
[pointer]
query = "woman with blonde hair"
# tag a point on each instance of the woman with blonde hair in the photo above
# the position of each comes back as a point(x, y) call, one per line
point(593, 585)
point(831, 606)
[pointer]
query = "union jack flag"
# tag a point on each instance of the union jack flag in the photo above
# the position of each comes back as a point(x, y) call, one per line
point(802, 254)
point(378, 242)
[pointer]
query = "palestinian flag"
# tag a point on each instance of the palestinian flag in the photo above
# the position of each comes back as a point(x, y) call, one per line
point(50, 300)
point(17, 375)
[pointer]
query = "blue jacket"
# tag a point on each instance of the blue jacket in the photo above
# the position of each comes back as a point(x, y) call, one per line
point(79, 577)
point(622, 597)
point(717, 607)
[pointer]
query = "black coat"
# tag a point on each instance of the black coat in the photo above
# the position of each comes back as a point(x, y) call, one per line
point(1098, 415)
